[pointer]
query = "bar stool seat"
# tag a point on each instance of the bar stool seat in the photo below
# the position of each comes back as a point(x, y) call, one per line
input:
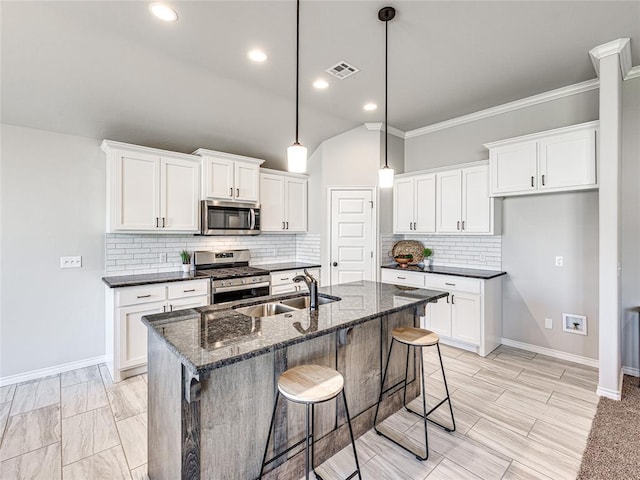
point(417, 337)
point(310, 384)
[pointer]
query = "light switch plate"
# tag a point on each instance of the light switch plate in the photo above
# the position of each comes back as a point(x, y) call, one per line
point(548, 323)
point(559, 261)
point(71, 262)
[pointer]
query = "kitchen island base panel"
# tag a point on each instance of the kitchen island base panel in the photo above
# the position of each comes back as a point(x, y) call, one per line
point(220, 433)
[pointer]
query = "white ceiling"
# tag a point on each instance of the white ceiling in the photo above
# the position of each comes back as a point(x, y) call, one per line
point(108, 69)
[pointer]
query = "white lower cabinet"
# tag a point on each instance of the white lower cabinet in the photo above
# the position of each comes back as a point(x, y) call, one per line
point(282, 282)
point(470, 317)
point(125, 307)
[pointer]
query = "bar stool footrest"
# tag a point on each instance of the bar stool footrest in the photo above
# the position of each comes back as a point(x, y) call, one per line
point(448, 429)
point(422, 459)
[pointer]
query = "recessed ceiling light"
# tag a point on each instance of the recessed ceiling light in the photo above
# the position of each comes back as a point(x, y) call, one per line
point(257, 55)
point(320, 84)
point(370, 107)
point(163, 12)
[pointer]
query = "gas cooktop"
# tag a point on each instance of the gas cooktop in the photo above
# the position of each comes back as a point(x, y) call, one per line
point(230, 272)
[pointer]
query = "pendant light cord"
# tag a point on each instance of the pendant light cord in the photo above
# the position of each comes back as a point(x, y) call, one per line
point(386, 87)
point(297, 63)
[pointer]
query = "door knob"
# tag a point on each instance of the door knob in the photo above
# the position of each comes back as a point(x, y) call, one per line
point(335, 264)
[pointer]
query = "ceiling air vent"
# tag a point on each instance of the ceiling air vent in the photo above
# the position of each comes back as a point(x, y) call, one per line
point(342, 70)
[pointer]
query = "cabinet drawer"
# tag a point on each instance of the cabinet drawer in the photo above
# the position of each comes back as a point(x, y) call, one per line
point(282, 278)
point(286, 288)
point(395, 277)
point(448, 283)
point(187, 289)
point(137, 295)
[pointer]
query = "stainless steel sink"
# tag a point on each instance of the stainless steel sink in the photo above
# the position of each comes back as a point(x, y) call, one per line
point(265, 309)
point(303, 302)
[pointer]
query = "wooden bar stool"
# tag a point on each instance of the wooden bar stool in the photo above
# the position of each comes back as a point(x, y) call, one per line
point(310, 384)
point(420, 338)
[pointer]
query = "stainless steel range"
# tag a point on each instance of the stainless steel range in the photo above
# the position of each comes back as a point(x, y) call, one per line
point(231, 276)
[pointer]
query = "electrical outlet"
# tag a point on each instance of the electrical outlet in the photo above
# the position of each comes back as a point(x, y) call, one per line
point(559, 261)
point(548, 323)
point(163, 258)
point(71, 262)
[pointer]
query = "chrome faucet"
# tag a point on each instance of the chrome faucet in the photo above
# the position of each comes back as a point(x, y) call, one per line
point(312, 285)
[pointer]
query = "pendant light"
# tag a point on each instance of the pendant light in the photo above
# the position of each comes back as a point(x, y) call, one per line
point(386, 173)
point(296, 153)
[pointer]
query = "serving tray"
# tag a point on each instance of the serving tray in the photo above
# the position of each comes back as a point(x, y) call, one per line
point(409, 247)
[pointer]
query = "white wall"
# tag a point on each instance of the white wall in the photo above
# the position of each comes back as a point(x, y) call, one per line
point(52, 202)
point(630, 221)
point(535, 228)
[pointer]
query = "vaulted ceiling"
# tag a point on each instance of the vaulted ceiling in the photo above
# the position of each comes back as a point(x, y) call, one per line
point(108, 69)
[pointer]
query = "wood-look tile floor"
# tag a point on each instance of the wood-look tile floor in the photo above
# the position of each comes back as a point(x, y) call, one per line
point(518, 416)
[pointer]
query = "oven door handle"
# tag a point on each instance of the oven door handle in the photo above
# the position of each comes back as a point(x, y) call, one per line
point(246, 286)
point(252, 214)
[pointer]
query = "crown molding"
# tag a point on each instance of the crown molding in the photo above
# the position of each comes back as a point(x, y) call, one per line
point(621, 46)
point(508, 107)
point(379, 127)
point(633, 73)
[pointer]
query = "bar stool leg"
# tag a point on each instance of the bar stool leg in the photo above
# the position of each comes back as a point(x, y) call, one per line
point(446, 388)
point(424, 407)
point(384, 377)
point(307, 446)
point(353, 442)
point(406, 375)
point(266, 447)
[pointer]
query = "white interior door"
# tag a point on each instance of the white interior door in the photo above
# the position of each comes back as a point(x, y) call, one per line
point(352, 239)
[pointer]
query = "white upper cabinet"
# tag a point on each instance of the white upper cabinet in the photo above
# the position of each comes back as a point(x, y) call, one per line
point(151, 190)
point(283, 202)
point(414, 200)
point(463, 204)
point(229, 177)
point(557, 160)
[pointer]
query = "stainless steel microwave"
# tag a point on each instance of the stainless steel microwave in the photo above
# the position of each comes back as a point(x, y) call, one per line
point(229, 218)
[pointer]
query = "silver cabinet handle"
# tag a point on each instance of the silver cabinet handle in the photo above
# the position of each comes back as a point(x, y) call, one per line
point(462, 224)
point(450, 284)
point(401, 278)
point(532, 181)
point(287, 225)
point(157, 222)
point(458, 225)
point(187, 291)
point(447, 298)
point(237, 192)
point(283, 225)
point(231, 192)
point(452, 302)
point(144, 296)
point(543, 179)
point(162, 222)
point(410, 226)
point(415, 226)
point(285, 278)
point(171, 308)
point(164, 308)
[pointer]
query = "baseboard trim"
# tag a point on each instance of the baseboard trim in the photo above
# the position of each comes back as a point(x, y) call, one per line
point(590, 362)
point(45, 372)
point(634, 372)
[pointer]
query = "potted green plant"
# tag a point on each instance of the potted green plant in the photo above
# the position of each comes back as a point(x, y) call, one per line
point(427, 253)
point(185, 256)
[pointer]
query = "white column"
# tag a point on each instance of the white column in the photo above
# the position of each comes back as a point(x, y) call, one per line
point(607, 60)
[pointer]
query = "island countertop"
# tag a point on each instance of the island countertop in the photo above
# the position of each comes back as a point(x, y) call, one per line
point(211, 337)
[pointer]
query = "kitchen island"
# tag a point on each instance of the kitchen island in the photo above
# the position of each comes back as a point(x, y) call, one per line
point(213, 373)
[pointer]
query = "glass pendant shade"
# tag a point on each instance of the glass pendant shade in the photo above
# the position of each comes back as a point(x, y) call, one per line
point(297, 158)
point(386, 177)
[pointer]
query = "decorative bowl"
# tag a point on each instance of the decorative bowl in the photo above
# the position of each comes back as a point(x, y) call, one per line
point(403, 260)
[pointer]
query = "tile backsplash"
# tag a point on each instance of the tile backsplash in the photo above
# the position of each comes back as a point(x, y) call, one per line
point(453, 250)
point(128, 254)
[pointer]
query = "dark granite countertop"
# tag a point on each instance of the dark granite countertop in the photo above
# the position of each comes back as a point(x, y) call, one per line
point(280, 267)
point(457, 272)
point(211, 337)
point(149, 278)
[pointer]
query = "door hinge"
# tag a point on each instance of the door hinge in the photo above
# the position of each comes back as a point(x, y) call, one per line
point(371, 202)
point(371, 253)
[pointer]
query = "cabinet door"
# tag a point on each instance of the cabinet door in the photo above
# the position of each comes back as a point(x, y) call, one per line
point(438, 317)
point(295, 205)
point(425, 203)
point(513, 168)
point(403, 205)
point(271, 203)
point(449, 201)
point(133, 333)
point(136, 205)
point(179, 195)
point(465, 317)
point(568, 160)
point(476, 204)
point(218, 178)
point(246, 182)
